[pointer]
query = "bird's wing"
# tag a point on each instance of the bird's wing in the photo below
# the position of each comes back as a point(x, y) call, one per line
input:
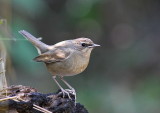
point(56, 55)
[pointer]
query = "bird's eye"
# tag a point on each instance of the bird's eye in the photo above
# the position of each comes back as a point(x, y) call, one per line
point(84, 44)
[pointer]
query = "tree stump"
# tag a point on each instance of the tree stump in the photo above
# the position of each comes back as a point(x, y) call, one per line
point(24, 99)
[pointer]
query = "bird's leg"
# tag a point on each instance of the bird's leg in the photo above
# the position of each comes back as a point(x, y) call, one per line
point(72, 89)
point(63, 91)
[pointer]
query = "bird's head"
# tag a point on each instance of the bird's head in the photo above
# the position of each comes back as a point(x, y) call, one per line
point(84, 44)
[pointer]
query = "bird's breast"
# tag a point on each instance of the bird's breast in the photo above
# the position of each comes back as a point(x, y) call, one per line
point(75, 64)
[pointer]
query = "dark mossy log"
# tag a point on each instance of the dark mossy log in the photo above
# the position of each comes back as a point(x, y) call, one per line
point(24, 99)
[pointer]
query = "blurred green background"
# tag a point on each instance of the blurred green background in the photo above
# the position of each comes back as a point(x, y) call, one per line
point(124, 73)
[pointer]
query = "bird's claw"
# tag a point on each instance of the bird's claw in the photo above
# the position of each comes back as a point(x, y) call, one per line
point(65, 91)
point(72, 91)
point(68, 91)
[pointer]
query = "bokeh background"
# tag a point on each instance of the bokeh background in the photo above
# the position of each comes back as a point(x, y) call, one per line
point(124, 73)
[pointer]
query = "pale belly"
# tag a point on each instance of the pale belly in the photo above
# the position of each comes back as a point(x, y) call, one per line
point(71, 66)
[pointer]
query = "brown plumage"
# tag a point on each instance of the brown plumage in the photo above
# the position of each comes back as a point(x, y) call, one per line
point(66, 58)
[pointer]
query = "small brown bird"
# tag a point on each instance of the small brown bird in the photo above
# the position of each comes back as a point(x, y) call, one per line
point(66, 58)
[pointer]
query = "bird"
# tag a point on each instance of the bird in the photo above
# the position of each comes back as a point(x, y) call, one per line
point(65, 58)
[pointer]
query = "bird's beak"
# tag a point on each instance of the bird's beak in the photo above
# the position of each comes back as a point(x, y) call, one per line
point(94, 45)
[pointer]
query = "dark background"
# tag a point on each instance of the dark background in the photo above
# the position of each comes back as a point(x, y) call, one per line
point(124, 73)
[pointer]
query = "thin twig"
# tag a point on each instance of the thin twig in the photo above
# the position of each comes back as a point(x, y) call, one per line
point(41, 109)
point(8, 98)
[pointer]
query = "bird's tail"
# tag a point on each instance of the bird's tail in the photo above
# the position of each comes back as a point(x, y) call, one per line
point(41, 47)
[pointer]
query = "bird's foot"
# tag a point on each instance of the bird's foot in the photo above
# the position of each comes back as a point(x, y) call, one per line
point(66, 92)
point(69, 94)
point(72, 91)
